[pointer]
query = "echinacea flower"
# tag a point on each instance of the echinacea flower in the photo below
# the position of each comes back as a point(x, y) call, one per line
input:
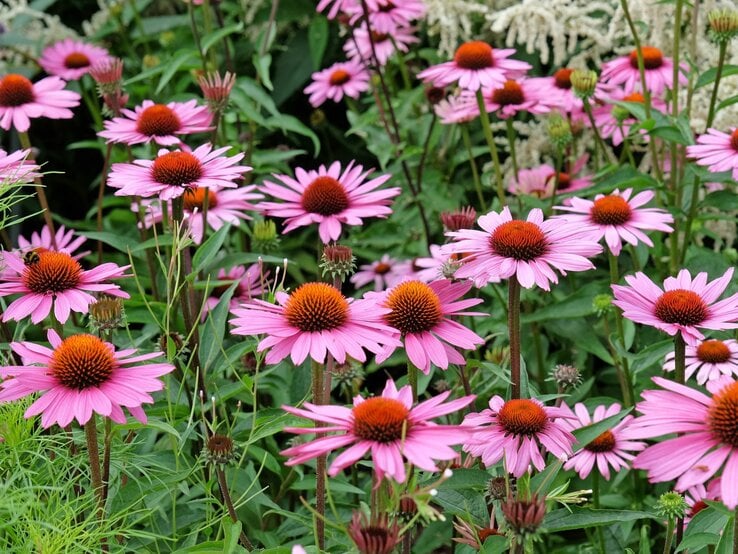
point(658, 69)
point(80, 375)
point(348, 78)
point(225, 206)
point(313, 320)
point(63, 240)
point(158, 122)
point(511, 97)
point(388, 15)
point(476, 65)
point(70, 59)
point(540, 181)
point(708, 435)
point(611, 448)
point(173, 174)
point(54, 279)
point(618, 217)
point(328, 197)
point(375, 534)
point(250, 284)
point(17, 168)
point(422, 315)
point(717, 150)
point(472, 535)
point(518, 430)
point(385, 272)
point(696, 496)
point(710, 359)
point(21, 100)
point(684, 306)
point(388, 426)
point(359, 46)
point(614, 122)
point(438, 265)
point(529, 250)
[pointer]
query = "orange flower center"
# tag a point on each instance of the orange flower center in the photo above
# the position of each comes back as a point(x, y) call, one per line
point(733, 137)
point(610, 210)
point(415, 307)
point(475, 54)
point(652, 58)
point(380, 420)
point(511, 93)
point(381, 268)
point(603, 443)
point(562, 78)
point(522, 417)
point(82, 361)
point(520, 240)
point(713, 352)
point(339, 77)
point(15, 90)
point(158, 121)
point(76, 60)
point(52, 272)
point(177, 169)
point(316, 307)
point(325, 196)
point(723, 415)
point(634, 97)
point(564, 180)
point(680, 306)
point(194, 199)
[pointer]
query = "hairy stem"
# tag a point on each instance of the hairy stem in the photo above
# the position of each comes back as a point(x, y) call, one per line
point(513, 324)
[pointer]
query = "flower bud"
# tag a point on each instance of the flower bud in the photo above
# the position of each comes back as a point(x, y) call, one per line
point(338, 261)
point(671, 505)
point(723, 25)
point(584, 82)
point(265, 236)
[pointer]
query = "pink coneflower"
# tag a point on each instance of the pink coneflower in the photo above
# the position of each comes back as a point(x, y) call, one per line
point(540, 181)
point(359, 46)
point(609, 448)
point(614, 122)
point(618, 217)
point(684, 305)
point(70, 59)
point(558, 91)
point(313, 320)
point(172, 174)
point(512, 97)
point(63, 241)
point(329, 198)
point(455, 109)
point(54, 279)
point(251, 283)
point(474, 66)
point(388, 15)
point(337, 6)
point(659, 71)
point(517, 430)
point(80, 375)
point(21, 100)
point(389, 426)
point(17, 167)
point(384, 273)
point(708, 435)
point(436, 266)
point(423, 314)
point(717, 150)
point(710, 359)
point(696, 496)
point(529, 250)
point(224, 206)
point(343, 78)
point(158, 122)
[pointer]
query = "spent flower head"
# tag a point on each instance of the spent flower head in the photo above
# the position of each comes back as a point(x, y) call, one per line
point(566, 376)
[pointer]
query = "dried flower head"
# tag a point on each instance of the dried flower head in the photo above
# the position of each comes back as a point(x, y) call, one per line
point(583, 82)
point(338, 261)
point(566, 376)
point(463, 218)
point(375, 536)
point(349, 376)
point(723, 25)
point(497, 488)
point(219, 449)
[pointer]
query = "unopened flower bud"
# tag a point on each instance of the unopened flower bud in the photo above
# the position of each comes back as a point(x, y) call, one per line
point(723, 25)
point(464, 218)
point(265, 236)
point(497, 488)
point(217, 90)
point(559, 131)
point(317, 118)
point(584, 82)
point(373, 537)
point(337, 261)
point(602, 304)
point(434, 95)
point(524, 516)
point(671, 505)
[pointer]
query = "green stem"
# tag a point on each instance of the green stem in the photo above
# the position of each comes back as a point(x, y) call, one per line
point(320, 466)
point(226, 495)
point(596, 505)
point(679, 348)
point(513, 324)
point(93, 451)
point(487, 129)
point(412, 378)
point(473, 165)
point(557, 177)
point(718, 75)
point(621, 364)
point(511, 143)
point(669, 535)
point(693, 205)
point(600, 145)
point(735, 532)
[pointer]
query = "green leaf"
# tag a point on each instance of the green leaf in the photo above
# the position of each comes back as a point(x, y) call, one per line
point(463, 502)
point(579, 518)
point(262, 65)
point(172, 67)
point(697, 541)
point(318, 40)
point(495, 544)
point(578, 304)
point(208, 249)
point(585, 435)
point(120, 242)
point(232, 532)
point(209, 40)
point(709, 76)
point(155, 25)
point(727, 102)
point(214, 328)
point(670, 134)
point(291, 123)
point(725, 544)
